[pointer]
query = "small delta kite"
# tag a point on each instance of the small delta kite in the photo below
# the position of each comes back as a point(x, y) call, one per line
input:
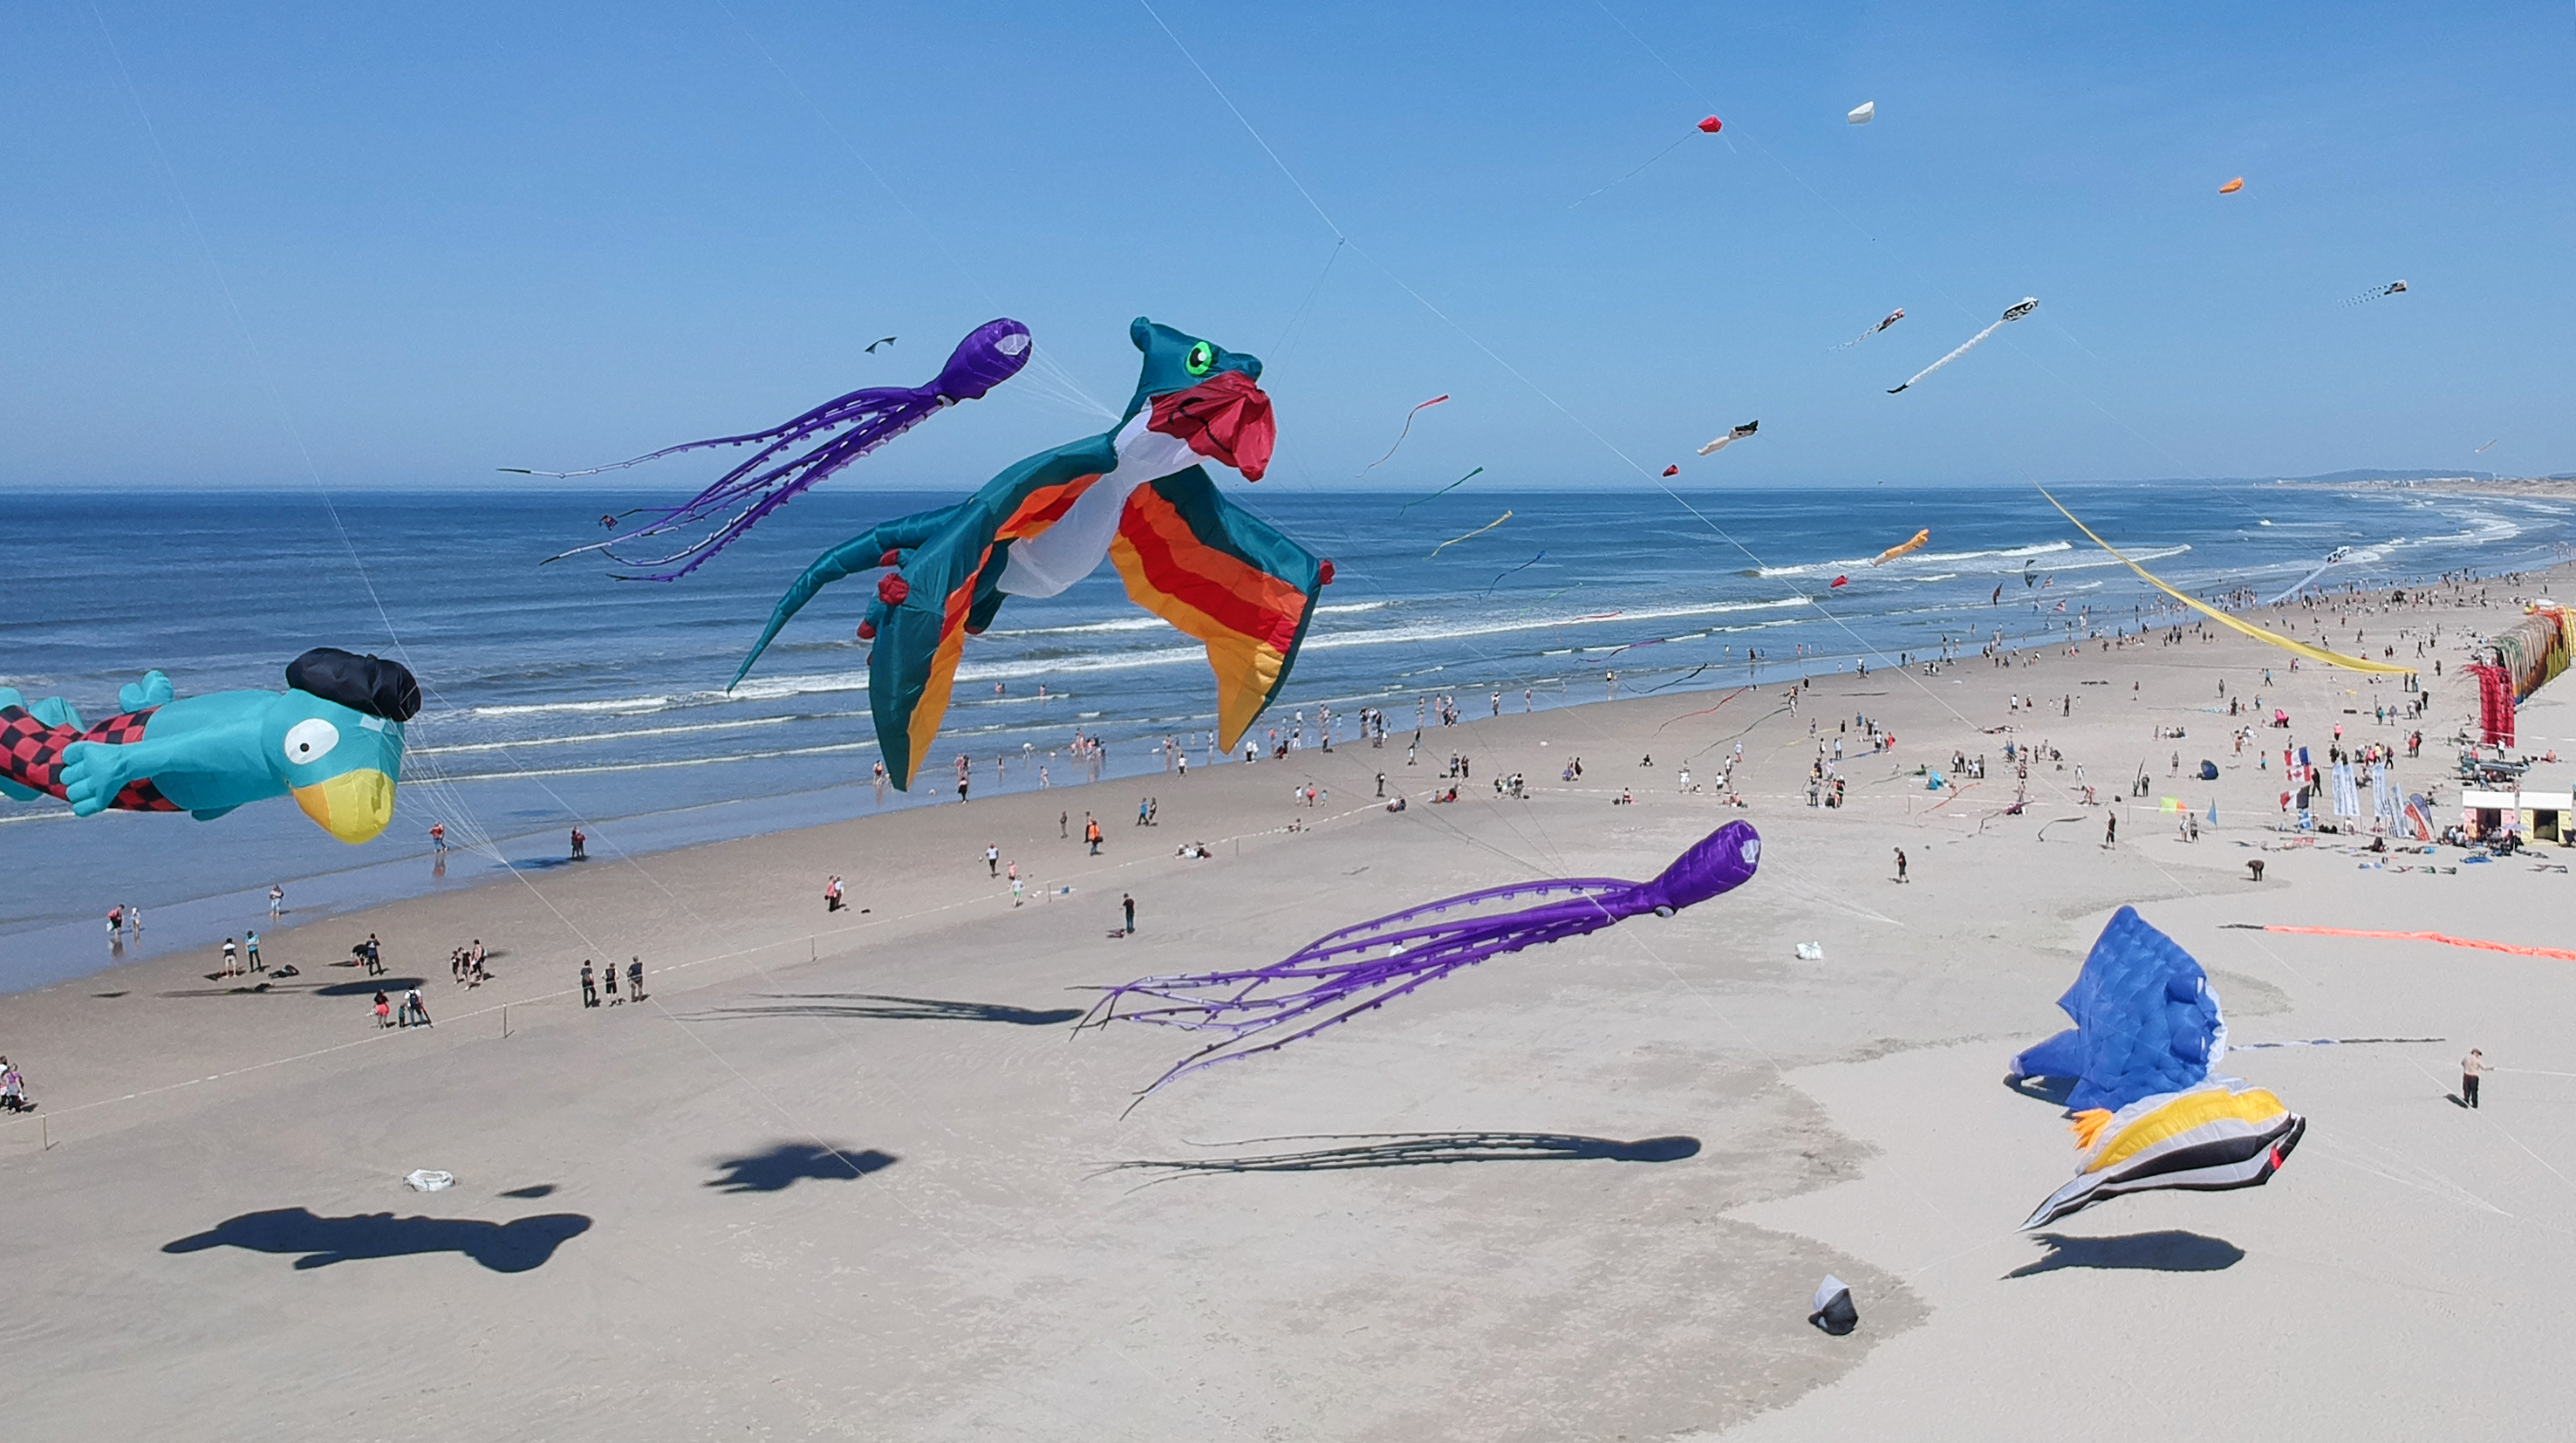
point(1134, 494)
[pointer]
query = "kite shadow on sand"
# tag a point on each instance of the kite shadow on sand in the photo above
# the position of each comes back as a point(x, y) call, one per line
point(891, 1009)
point(788, 1163)
point(2052, 1090)
point(1417, 1149)
point(517, 1246)
point(2170, 1251)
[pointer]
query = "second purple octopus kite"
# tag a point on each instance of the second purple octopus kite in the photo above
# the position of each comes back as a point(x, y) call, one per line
point(1342, 974)
point(863, 420)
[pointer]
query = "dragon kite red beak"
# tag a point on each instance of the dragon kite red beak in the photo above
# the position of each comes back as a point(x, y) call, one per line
point(1225, 417)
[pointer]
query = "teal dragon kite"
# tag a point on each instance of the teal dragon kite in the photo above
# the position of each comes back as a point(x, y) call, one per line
point(1135, 494)
point(333, 741)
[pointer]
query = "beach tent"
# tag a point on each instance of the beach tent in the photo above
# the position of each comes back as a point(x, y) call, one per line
point(2145, 1021)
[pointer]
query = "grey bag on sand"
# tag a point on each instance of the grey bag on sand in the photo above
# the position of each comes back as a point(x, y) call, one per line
point(431, 1180)
point(1833, 1310)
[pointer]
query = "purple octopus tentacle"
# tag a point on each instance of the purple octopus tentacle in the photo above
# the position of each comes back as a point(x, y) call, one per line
point(1335, 977)
point(865, 419)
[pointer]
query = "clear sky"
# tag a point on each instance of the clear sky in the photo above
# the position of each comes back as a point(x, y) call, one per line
point(468, 235)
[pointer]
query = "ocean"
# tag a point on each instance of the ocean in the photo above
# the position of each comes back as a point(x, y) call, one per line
point(558, 697)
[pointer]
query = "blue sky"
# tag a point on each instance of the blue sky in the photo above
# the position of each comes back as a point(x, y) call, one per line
point(466, 236)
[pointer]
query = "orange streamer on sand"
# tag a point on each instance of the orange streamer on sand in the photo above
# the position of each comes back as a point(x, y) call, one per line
point(2446, 940)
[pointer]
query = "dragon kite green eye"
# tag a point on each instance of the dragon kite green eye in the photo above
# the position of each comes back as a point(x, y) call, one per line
point(1202, 359)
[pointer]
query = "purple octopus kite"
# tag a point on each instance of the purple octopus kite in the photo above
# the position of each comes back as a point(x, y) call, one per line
point(991, 354)
point(1336, 977)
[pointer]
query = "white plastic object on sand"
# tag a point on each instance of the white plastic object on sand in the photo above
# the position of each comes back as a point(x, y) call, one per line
point(429, 1179)
point(1811, 952)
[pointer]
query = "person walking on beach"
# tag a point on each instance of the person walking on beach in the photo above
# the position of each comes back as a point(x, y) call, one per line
point(115, 923)
point(635, 978)
point(276, 900)
point(1091, 832)
point(384, 1010)
point(589, 985)
point(1062, 820)
point(133, 921)
point(610, 982)
point(250, 947)
point(2111, 830)
point(1127, 904)
point(375, 956)
point(413, 1005)
point(579, 842)
point(992, 860)
point(832, 894)
point(13, 1089)
point(231, 960)
point(1900, 864)
point(2472, 1067)
point(438, 838)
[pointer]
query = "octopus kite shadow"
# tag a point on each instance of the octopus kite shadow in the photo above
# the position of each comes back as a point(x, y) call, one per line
point(1417, 1149)
point(518, 1246)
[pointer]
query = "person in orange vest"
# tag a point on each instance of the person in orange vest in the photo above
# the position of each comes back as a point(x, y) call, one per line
point(1091, 832)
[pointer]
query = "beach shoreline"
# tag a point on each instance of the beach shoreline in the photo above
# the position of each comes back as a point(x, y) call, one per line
point(886, 1174)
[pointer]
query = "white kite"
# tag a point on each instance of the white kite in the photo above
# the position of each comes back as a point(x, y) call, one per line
point(2482, 450)
point(2018, 309)
point(2334, 558)
point(1863, 113)
point(1730, 438)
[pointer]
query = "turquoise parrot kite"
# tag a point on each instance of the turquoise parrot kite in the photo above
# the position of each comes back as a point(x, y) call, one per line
point(333, 741)
point(1135, 494)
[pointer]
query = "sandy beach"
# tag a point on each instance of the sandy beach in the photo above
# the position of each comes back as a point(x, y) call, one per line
point(855, 1175)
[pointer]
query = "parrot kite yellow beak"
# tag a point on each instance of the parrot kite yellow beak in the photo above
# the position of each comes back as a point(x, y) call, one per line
point(353, 806)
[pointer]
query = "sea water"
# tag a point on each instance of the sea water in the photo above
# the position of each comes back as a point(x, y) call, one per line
point(557, 697)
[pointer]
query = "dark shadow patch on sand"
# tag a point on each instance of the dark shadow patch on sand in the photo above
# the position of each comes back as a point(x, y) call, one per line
point(543, 1189)
point(1420, 1149)
point(517, 1246)
point(788, 1163)
point(2051, 1090)
point(370, 986)
point(874, 1007)
point(2170, 1251)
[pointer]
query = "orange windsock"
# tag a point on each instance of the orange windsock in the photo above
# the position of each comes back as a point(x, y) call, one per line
point(2233, 186)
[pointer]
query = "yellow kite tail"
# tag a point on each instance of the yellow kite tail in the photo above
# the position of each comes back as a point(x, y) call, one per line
point(2296, 648)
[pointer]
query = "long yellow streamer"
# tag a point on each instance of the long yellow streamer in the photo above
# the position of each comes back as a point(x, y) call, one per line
point(1479, 531)
point(2296, 648)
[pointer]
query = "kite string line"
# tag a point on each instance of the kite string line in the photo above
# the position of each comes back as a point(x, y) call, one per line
point(2200, 473)
point(286, 422)
point(1051, 372)
point(1489, 351)
point(1516, 373)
